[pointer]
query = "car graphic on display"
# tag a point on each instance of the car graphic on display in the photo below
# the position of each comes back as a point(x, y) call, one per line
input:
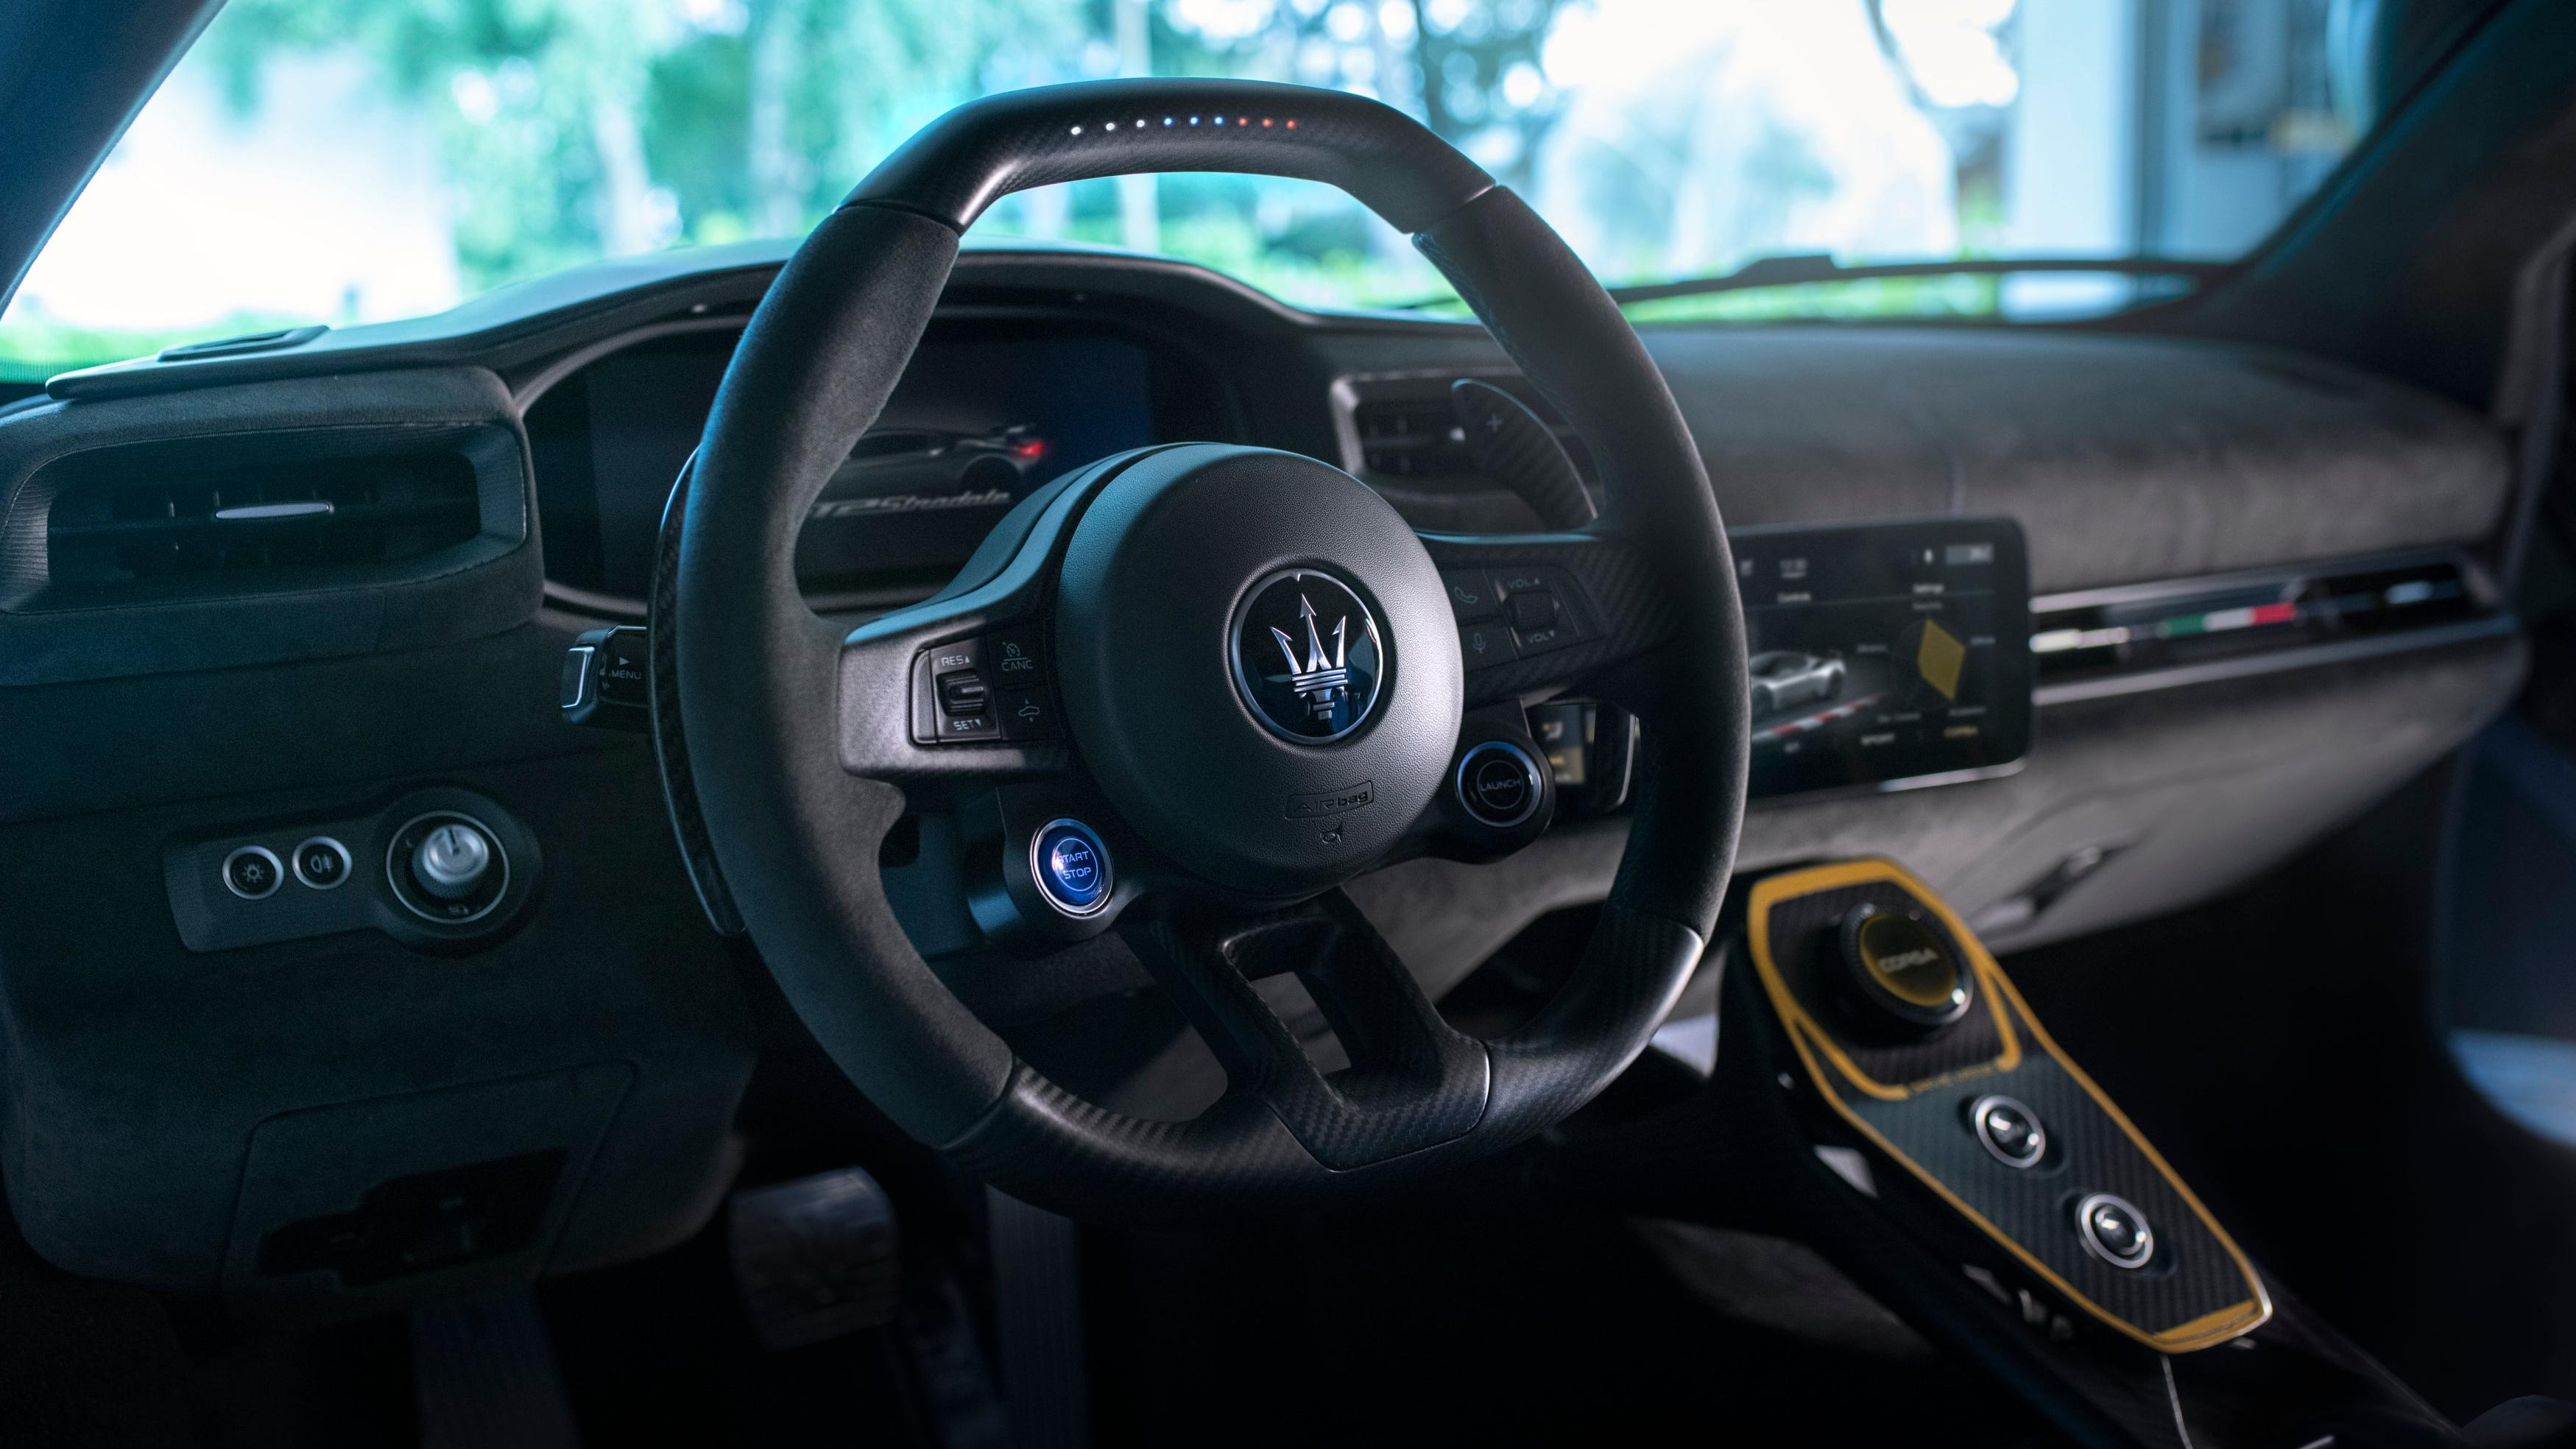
point(1783, 677)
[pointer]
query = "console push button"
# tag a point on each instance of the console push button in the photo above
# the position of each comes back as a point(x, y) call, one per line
point(252, 872)
point(1498, 784)
point(1026, 714)
point(2114, 1231)
point(1485, 645)
point(1071, 867)
point(1012, 658)
point(1472, 594)
point(321, 862)
point(1535, 609)
point(2009, 1131)
point(963, 693)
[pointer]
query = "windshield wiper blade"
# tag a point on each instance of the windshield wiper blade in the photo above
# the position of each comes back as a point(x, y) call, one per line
point(1806, 268)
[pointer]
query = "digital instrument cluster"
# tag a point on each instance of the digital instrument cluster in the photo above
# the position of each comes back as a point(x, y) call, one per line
point(983, 416)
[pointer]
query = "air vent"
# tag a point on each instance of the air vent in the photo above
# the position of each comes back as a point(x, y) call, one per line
point(1407, 429)
point(168, 523)
point(260, 513)
point(1411, 438)
point(2110, 632)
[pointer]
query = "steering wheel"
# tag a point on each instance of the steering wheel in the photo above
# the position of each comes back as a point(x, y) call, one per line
point(1260, 681)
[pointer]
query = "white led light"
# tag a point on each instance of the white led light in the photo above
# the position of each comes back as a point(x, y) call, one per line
point(1113, 125)
point(1077, 130)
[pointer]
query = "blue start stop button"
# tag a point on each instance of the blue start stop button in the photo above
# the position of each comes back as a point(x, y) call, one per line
point(1071, 867)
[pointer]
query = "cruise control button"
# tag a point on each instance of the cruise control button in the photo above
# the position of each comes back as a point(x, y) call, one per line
point(950, 658)
point(1486, 645)
point(2114, 1231)
point(963, 693)
point(1472, 594)
point(1012, 659)
point(1025, 714)
point(2009, 1131)
point(252, 872)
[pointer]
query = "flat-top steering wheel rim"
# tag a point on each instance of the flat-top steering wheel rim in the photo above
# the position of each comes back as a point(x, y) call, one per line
point(794, 728)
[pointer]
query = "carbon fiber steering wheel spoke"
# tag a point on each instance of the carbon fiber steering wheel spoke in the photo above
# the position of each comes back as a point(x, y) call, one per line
point(1413, 1081)
point(1540, 614)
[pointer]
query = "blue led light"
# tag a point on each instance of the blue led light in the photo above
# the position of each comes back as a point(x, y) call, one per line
point(1194, 120)
point(1071, 866)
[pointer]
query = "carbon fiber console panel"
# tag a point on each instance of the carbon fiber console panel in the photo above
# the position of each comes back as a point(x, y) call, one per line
point(1914, 1102)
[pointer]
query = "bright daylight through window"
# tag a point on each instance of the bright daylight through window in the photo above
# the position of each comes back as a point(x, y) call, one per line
point(349, 161)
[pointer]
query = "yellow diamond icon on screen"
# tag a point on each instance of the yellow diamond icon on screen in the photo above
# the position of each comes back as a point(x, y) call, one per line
point(1938, 657)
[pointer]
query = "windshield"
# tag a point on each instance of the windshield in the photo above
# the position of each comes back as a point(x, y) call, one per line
point(345, 161)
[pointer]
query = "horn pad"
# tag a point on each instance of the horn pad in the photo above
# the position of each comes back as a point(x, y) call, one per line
point(1258, 664)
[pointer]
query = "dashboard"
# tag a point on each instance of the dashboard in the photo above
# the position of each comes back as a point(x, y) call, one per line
point(2082, 626)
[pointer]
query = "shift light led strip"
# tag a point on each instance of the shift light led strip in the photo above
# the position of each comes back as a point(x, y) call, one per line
point(1181, 123)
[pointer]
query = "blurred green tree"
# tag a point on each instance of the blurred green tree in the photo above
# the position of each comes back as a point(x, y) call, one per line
point(572, 129)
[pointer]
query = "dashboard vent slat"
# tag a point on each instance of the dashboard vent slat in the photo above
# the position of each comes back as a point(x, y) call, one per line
point(1409, 429)
point(312, 513)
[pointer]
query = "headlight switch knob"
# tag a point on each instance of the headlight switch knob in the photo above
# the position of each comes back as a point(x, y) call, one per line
point(451, 861)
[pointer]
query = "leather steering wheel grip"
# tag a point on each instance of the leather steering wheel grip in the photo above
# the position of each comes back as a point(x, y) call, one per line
point(797, 836)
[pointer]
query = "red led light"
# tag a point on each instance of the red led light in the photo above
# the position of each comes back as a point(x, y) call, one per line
point(1034, 448)
point(1292, 123)
point(1265, 123)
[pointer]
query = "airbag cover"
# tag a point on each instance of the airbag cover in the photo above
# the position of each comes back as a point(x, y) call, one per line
point(1183, 701)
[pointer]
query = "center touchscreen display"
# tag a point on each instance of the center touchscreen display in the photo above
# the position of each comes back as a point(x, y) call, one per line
point(1885, 652)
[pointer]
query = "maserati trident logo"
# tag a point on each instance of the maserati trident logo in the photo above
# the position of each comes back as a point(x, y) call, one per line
point(1321, 680)
point(1307, 656)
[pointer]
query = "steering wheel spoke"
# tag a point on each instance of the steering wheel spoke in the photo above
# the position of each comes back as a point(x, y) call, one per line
point(961, 686)
point(1544, 614)
point(1413, 1081)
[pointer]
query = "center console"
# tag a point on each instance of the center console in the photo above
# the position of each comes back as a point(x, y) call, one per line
point(1911, 1038)
point(1886, 1097)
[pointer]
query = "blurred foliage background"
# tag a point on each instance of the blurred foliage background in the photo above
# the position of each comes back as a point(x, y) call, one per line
point(348, 161)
